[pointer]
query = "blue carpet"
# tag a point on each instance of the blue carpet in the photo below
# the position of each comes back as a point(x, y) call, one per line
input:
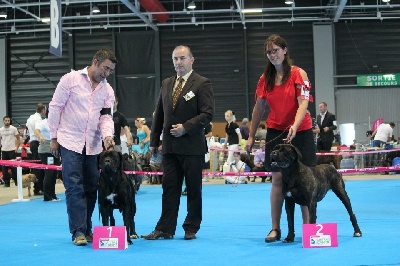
point(235, 222)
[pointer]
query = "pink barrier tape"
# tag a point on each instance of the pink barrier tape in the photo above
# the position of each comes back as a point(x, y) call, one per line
point(226, 150)
point(321, 153)
point(31, 161)
point(205, 173)
point(29, 165)
point(370, 170)
point(356, 152)
point(342, 171)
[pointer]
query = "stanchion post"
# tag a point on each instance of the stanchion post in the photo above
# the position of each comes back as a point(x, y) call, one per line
point(19, 180)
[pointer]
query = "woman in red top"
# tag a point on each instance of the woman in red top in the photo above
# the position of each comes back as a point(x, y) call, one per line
point(286, 90)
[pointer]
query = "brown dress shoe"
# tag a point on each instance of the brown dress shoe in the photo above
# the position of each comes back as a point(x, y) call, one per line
point(190, 235)
point(156, 235)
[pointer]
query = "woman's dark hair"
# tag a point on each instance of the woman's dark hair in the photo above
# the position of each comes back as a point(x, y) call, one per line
point(270, 71)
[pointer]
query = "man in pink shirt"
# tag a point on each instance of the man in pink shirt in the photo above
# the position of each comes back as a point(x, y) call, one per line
point(79, 119)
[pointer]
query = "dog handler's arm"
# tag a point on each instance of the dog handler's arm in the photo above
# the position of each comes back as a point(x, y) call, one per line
point(303, 105)
point(258, 111)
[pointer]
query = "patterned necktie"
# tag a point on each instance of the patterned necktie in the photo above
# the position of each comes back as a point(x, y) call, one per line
point(177, 91)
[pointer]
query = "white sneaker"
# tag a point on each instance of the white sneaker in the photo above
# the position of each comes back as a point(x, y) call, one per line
point(56, 199)
point(204, 180)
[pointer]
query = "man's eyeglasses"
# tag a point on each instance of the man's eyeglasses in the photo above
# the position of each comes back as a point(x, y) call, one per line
point(273, 51)
point(109, 70)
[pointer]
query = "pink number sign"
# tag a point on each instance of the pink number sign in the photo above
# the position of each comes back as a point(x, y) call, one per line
point(109, 238)
point(320, 235)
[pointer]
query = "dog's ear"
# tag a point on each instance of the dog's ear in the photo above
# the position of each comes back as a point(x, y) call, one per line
point(296, 152)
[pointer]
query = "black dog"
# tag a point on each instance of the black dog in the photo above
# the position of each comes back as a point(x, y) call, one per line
point(307, 185)
point(116, 191)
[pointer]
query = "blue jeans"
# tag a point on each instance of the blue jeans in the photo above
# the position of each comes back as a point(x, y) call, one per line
point(81, 181)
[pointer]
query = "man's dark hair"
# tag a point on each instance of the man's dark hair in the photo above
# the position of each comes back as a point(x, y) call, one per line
point(103, 54)
point(392, 124)
point(6, 117)
point(40, 107)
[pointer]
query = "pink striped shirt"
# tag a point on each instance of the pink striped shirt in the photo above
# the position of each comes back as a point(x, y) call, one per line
point(74, 113)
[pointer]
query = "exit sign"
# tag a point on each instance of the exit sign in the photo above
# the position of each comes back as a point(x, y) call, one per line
point(378, 80)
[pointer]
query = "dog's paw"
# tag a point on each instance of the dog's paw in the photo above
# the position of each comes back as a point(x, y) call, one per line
point(134, 236)
point(289, 238)
point(357, 234)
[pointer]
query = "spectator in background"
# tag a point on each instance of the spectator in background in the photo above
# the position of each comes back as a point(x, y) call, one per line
point(259, 158)
point(244, 129)
point(143, 135)
point(34, 145)
point(261, 132)
point(327, 124)
point(124, 140)
point(338, 139)
point(42, 132)
point(236, 166)
point(119, 124)
point(383, 134)
point(315, 127)
point(9, 144)
point(233, 138)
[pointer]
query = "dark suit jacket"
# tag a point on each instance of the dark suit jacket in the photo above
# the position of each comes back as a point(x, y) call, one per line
point(328, 122)
point(194, 114)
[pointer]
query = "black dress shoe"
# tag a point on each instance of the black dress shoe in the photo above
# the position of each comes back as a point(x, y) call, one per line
point(156, 235)
point(275, 238)
point(190, 235)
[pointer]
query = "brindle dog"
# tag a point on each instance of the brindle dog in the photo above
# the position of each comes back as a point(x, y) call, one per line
point(307, 186)
point(116, 191)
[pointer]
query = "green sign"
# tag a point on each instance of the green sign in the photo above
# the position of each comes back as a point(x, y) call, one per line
point(378, 80)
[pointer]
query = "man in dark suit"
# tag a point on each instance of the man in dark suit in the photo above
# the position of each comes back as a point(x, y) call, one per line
point(327, 124)
point(185, 107)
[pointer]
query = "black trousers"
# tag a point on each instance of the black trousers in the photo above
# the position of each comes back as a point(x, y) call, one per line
point(176, 168)
point(50, 177)
point(8, 155)
point(34, 145)
point(324, 145)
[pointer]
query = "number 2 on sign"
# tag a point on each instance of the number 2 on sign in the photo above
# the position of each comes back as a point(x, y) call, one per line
point(109, 229)
point(318, 231)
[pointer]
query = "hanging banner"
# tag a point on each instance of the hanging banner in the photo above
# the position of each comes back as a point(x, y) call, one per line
point(55, 28)
point(378, 80)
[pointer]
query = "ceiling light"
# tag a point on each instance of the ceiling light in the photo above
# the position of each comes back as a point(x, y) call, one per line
point(386, 1)
point(3, 15)
point(95, 9)
point(191, 5)
point(45, 20)
point(252, 10)
point(288, 2)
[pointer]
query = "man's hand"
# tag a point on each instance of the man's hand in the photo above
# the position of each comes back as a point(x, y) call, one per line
point(109, 143)
point(54, 147)
point(249, 144)
point(177, 130)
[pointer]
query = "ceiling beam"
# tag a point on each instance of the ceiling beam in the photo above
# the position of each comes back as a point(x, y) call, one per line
point(339, 11)
point(140, 15)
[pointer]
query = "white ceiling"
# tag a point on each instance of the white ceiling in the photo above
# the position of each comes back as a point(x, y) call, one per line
point(24, 16)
